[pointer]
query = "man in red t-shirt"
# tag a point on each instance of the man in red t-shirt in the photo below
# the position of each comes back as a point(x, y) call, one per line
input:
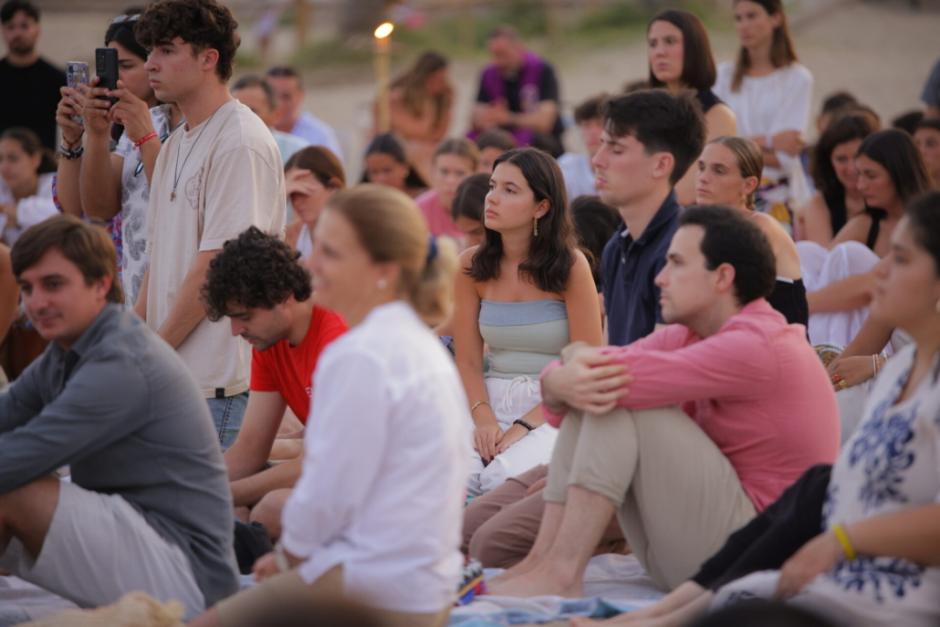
point(257, 281)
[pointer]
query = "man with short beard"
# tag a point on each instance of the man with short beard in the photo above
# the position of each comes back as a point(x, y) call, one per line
point(30, 83)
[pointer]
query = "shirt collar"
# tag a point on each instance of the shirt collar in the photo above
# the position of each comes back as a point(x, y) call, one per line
point(92, 335)
point(666, 212)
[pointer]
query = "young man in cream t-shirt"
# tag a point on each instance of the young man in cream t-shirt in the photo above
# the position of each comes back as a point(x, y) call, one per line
point(216, 175)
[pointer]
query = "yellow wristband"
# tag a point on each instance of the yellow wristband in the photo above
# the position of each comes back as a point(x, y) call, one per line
point(843, 539)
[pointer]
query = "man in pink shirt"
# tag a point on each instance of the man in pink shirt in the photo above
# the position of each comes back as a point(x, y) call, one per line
point(687, 433)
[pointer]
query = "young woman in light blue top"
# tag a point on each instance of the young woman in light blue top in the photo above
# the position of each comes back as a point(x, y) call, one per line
point(523, 294)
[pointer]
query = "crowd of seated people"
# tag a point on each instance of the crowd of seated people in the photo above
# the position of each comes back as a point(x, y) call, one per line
point(698, 339)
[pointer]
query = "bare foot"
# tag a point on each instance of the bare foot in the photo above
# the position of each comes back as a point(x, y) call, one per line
point(537, 582)
point(527, 564)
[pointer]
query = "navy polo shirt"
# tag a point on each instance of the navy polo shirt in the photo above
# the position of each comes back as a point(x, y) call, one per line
point(628, 268)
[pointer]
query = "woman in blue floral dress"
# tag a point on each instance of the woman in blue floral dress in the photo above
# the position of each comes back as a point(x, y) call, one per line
point(877, 561)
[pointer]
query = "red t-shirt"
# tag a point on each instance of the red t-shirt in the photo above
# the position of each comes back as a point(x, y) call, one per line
point(288, 369)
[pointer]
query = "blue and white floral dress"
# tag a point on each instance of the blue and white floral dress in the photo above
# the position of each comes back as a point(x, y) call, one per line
point(891, 463)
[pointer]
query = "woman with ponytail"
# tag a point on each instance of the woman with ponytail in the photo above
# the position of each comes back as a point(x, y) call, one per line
point(376, 513)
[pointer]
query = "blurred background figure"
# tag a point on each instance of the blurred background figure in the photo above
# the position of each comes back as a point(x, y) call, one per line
point(420, 106)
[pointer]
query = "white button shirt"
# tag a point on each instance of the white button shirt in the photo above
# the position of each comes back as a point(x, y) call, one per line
point(387, 452)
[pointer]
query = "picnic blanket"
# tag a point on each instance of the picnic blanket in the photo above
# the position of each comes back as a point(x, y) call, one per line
point(613, 584)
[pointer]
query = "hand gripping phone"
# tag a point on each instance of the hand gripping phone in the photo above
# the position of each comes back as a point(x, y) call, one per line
point(106, 67)
point(76, 73)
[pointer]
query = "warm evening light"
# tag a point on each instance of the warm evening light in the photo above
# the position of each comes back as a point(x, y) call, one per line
point(383, 30)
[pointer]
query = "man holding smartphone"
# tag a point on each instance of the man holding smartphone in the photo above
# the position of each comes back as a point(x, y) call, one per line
point(217, 175)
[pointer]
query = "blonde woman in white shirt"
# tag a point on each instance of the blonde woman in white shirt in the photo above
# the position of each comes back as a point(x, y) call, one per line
point(770, 94)
point(376, 514)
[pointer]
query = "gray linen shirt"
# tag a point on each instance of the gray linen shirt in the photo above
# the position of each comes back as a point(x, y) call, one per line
point(123, 411)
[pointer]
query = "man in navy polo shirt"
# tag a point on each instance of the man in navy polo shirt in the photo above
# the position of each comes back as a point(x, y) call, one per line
point(650, 139)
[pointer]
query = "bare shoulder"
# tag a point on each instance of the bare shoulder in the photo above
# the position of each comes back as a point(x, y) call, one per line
point(720, 120)
point(815, 205)
point(855, 229)
point(465, 258)
point(580, 274)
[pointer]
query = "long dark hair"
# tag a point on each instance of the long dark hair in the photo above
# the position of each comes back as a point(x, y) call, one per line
point(924, 215)
point(30, 143)
point(895, 151)
point(698, 63)
point(551, 252)
point(388, 144)
point(782, 51)
point(849, 127)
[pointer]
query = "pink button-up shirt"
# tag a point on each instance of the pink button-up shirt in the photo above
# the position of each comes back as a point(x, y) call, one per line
point(437, 215)
point(756, 388)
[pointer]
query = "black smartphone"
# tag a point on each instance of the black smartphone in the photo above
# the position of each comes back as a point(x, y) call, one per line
point(106, 67)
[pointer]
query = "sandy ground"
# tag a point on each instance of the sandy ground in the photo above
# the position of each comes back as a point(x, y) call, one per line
point(879, 50)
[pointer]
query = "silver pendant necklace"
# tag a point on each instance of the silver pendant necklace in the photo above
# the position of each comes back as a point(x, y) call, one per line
point(177, 168)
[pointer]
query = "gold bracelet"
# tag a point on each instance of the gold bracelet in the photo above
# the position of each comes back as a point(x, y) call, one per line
point(843, 539)
point(477, 404)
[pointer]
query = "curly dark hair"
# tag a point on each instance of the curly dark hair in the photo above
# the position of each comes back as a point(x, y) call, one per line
point(201, 23)
point(255, 270)
point(551, 254)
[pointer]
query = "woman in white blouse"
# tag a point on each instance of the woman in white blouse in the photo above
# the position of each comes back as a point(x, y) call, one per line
point(377, 511)
point(25, 183)
point(770, 95)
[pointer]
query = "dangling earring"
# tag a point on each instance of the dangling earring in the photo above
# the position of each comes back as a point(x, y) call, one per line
point(535, 227)
point(381, 284)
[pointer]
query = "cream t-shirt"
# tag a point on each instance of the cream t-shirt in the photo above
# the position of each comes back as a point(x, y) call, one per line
point(227, 175)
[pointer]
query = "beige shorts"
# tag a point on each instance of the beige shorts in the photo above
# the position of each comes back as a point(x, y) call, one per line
point(99, 548)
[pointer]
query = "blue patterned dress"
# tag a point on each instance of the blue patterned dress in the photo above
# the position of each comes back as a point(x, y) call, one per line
point(891, 463)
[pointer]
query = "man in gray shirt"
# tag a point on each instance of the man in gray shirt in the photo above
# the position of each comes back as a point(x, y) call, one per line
point(148, 505)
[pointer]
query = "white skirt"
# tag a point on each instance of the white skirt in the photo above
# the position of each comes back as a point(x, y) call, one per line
point(820, 268)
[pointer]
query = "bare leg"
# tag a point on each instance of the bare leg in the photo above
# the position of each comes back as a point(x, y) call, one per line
point(26, 513)
point(548, 530)
point(560, 571)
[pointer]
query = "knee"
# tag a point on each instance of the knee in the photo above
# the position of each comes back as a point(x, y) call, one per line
point(268, 513)
point(497, 544)
point(475, 516)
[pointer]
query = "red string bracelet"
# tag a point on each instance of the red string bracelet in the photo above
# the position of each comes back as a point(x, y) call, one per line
point(146, 138)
